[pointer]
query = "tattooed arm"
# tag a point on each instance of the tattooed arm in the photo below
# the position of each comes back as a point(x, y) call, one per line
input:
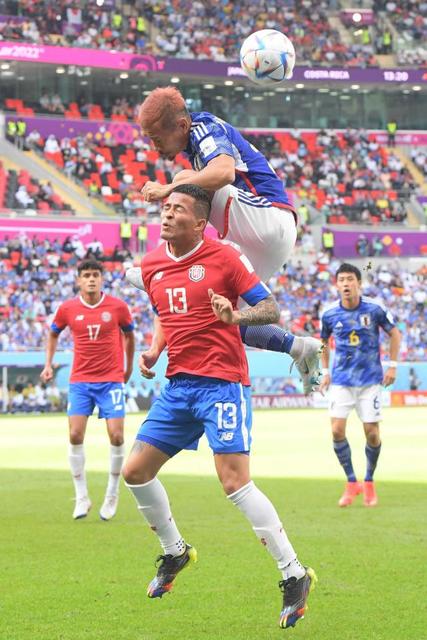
point(264, 312)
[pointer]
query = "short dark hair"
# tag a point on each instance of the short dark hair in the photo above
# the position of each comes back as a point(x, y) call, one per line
point(203, 200)
point(346, 267)
point(89, 265)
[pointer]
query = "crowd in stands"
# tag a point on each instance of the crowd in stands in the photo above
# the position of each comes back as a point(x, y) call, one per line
point(35, 276)
point(419, 158)
point(35, 398)
point(187, 29)
point(409, 18)
point(348, 177)
point(21, 192)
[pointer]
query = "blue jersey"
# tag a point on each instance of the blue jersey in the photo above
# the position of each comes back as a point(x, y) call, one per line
point(356, 331)
point(210, 137)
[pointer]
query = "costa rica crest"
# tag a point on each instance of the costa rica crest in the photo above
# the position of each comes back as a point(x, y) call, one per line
point(196, 272)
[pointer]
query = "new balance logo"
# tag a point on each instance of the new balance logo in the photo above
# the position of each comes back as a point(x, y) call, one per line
point(79, 317)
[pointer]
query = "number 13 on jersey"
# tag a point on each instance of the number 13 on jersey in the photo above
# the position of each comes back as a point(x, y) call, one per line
point(177, 300)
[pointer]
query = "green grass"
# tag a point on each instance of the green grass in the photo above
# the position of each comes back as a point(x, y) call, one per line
point(66, 580)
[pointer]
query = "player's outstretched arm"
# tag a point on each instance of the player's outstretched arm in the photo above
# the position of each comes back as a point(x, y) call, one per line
point(52, 343)
point(326, 378)
point(148, 358)
point(390, 374)
point(130, 352)
point(264, 312)
point(217, 173)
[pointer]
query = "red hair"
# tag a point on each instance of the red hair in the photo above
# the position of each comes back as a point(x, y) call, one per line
point(162, 106)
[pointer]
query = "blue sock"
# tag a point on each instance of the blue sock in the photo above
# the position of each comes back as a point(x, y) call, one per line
point(269, 337)
point(372, 455)
point(343, 453)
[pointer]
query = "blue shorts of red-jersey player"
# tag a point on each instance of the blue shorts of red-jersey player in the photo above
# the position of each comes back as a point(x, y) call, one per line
point(190, 406)
point(109, 397)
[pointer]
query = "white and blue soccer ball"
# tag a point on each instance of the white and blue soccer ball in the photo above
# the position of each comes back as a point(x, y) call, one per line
point(267, 57)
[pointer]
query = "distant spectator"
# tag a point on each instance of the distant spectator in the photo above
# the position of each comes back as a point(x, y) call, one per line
point(414, 381)
point(391, 130)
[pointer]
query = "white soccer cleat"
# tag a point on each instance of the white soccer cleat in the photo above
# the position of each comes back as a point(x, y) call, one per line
point(109, 508)
point(82, 508)
point(308, 363)
point(134, 276)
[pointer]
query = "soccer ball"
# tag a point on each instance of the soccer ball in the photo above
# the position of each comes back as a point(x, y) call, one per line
point(267, 57)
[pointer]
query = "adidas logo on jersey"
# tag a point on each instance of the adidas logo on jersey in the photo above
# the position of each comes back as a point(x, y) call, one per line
point(339, 325)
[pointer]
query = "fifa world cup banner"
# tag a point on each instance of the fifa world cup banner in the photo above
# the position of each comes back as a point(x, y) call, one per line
point(147, 63)
point(393, 244)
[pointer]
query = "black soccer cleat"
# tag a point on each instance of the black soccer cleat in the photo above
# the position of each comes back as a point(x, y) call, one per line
point(295, 593)
point(167, 571)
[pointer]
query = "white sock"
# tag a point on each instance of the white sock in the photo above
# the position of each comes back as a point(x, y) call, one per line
point(117, 456)
point(76, 457)
point(297, 348)
point(153, 503)
point(267, 527)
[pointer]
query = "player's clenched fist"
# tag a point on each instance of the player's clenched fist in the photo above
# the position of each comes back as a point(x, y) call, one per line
point(153, 191)
point(146, 361)
point(47, 374)
point(222, 308)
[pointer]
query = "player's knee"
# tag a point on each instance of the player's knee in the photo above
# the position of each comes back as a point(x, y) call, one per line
point(232, 484)
point(338, 434)
point(133, 474)
point(76, 436)
point(373, 438)
point(116, 439)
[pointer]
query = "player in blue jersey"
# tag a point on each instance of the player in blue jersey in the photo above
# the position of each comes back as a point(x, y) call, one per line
point(354, 321)
point(250, 207)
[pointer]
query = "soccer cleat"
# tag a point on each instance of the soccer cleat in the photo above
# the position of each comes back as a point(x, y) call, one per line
point(295, 593)
point(370, 498)
point(167, 571)
point(352, 489)
point(109, 507)
point(82, 508)
point(308, 364)
point(134, 276)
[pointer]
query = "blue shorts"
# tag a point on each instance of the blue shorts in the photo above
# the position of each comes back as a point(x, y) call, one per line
point(107, 396)
point(192, 405)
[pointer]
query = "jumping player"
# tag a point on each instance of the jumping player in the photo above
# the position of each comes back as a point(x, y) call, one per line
point(354, 321)
point(100, 324)
point(250, 207)
point(193, 284)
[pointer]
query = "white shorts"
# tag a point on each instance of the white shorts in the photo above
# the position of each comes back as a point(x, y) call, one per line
point(265, 235)
point(366, 401)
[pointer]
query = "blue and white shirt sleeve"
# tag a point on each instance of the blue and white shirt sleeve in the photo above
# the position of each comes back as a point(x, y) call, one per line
point(385, 319)
point(325, 330)
point(210, 140)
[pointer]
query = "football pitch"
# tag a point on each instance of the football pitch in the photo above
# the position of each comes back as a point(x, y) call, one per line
point(79, 580)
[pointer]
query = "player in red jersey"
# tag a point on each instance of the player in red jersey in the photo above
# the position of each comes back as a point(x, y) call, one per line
point(194, 284)
point(251, 209)
point(100, 325)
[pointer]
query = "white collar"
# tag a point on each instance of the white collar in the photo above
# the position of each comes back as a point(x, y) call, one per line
point(92, 306)
point(186, 255)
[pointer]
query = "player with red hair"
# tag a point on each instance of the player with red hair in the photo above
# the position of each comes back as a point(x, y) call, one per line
point(250, 207)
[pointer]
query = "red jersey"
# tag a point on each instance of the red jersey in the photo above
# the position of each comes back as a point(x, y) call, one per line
point(97, 334)
point(199, 343)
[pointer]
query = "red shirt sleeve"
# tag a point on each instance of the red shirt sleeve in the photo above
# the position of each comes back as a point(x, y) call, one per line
point(60, 320)
point(125, 318)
